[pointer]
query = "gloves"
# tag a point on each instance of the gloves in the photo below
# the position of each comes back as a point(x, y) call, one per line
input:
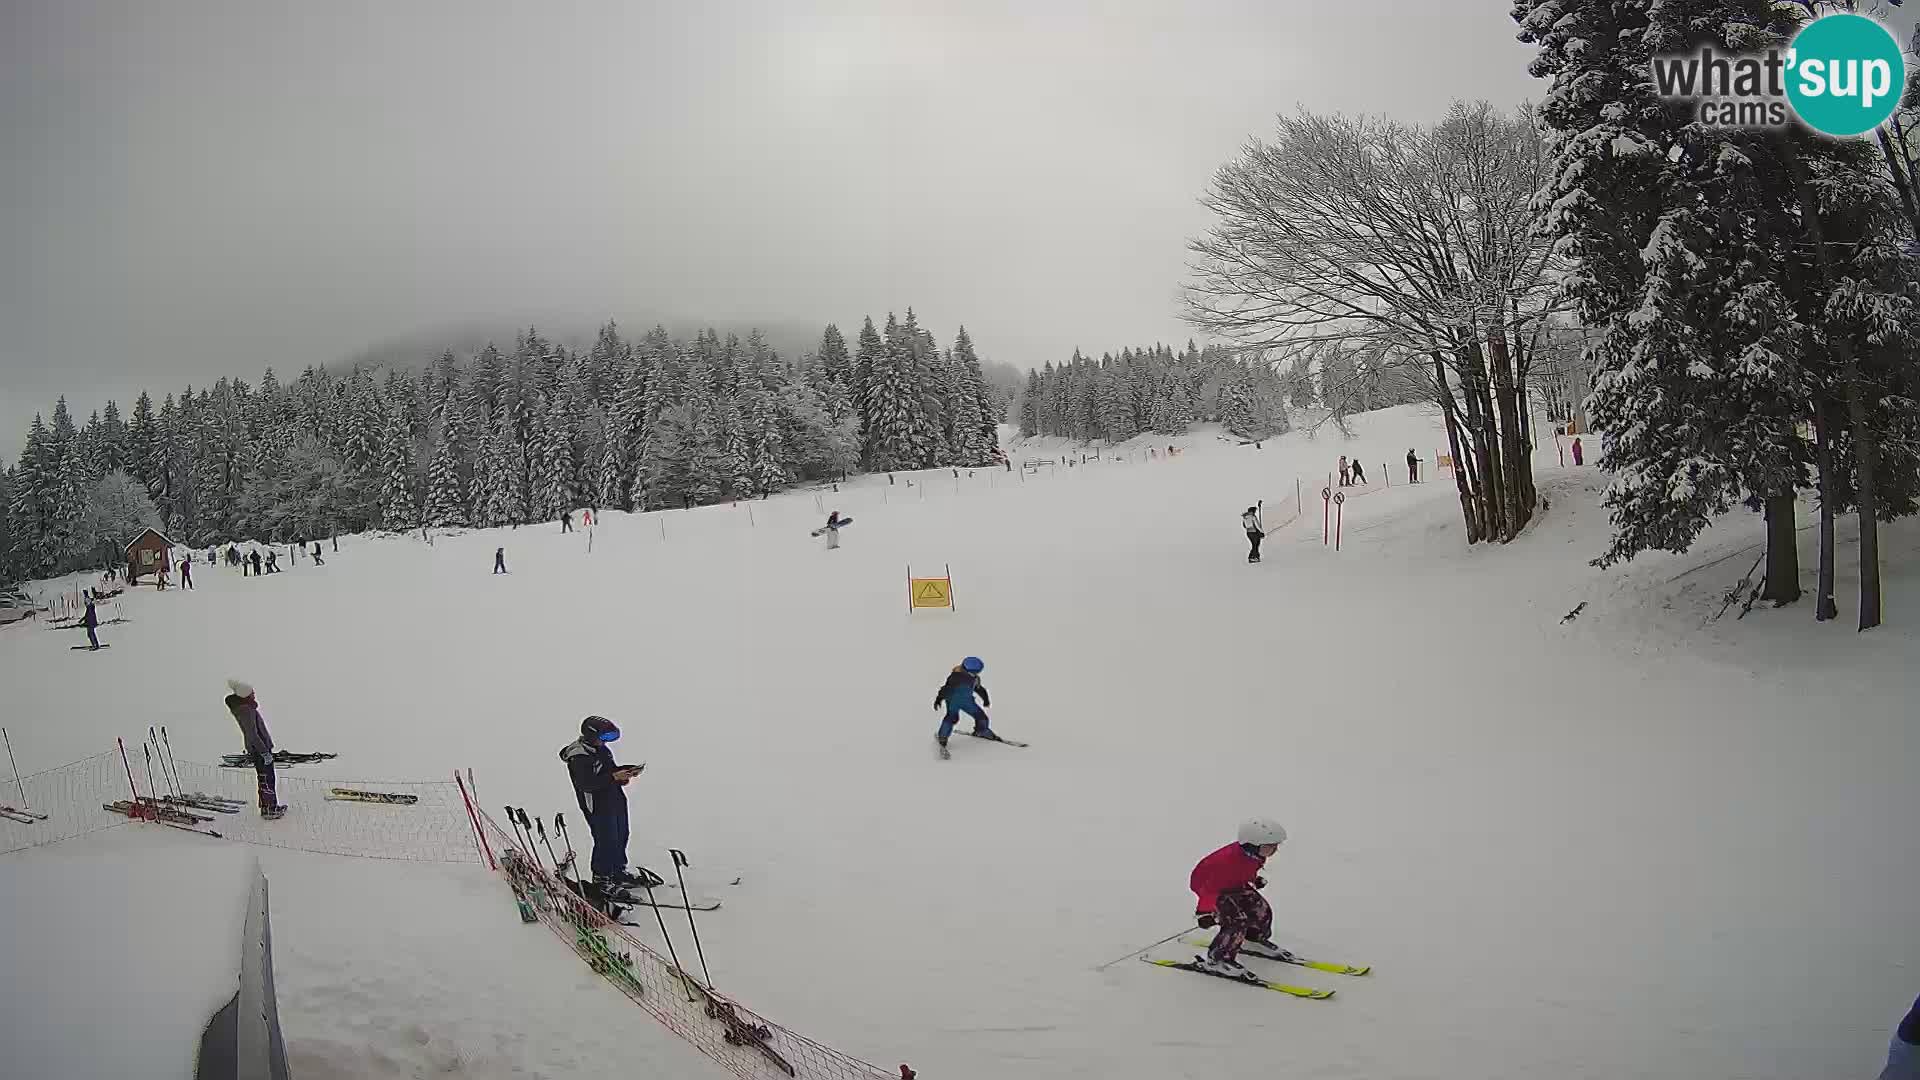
point(1206, 919)
point(1259, 882)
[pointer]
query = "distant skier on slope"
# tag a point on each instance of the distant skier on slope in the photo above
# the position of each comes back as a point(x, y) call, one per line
point(832, 529)
point(499, 560)
point(92, 622)
point(1359, 472)
point(1256, 531)
point(958, 693)
point(245, 708)
point(599, 786)
point(1227, 884)
point(1413, 467)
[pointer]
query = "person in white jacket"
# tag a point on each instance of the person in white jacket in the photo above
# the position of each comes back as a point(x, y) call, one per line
point(1255, 531)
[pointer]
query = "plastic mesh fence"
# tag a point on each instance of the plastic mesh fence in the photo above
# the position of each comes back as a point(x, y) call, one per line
point(432, 827)
point(747, 1044)
point(61, 803)
point(426, 821)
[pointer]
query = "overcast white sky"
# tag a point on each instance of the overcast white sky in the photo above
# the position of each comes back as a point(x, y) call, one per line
point(190, 189)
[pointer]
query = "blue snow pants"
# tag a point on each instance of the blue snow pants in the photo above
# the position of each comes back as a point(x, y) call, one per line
point(609, 829)
point(955, 708)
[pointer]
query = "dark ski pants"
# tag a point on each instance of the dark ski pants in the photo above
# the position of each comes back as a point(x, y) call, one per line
point(609, 829)
point(1243, 914)
point(263, 771)
point(93, 639)
point(1253, 546)
point(499, 566)
point(953, 717)
point(1413, 473)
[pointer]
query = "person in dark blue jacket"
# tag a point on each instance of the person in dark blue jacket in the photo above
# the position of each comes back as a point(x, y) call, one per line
point(599, 786)
point(958, 694)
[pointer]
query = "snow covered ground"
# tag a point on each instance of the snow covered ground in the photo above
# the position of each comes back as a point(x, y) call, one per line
point(1643, 843)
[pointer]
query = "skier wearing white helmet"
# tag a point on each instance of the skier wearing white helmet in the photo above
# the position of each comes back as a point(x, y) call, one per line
point(1227, 883)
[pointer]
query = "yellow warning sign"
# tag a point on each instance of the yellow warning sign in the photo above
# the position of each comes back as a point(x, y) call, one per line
point(931, 592)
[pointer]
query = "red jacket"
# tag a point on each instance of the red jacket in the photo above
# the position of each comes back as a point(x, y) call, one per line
point(1223, 871)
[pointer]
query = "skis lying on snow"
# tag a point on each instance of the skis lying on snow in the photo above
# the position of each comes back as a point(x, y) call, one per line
point(280, 757)
point(1296, 991)
point(25, 817)
point(92, 648)
point(739, 1031)
point(1253, 948)
point(197, 802)
point(341, 794)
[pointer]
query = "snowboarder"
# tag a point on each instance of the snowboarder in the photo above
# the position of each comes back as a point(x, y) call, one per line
point(256, 562)
point(186, 572)
point(245, 708)
point(1256, 530)
point(1344, 474)
point(599, 787)
point(566, 522)
point(317, 560)
point(833, 531)
point(1228, 885)
point(958, 693)
point(92, 621)
point(1359, 472)
point(1413, 467)
point(1579, 457)
point(499, 560)
point(1903, 1055)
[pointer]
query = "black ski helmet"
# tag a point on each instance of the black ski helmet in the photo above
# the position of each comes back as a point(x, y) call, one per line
point(595, 726)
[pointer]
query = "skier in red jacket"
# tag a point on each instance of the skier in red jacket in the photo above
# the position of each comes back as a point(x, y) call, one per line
point(1227, 884)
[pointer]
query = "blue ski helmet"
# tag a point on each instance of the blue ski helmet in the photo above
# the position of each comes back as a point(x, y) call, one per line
point(974, 664)
point(599, 727)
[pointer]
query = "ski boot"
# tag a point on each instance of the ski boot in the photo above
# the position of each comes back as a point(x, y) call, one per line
point(985, 733)
point(1224, 968)
point(1268, 950)
point(273, 813)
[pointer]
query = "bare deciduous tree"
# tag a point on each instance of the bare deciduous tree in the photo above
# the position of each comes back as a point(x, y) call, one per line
point(1400, 249)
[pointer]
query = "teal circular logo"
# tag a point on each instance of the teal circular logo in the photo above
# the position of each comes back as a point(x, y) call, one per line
point(1846, 74)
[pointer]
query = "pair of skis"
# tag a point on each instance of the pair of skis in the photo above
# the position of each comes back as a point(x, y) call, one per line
point(945, 755)
point(341, 794)
point(24, 816)
point(280, 757)
point(1261, 952)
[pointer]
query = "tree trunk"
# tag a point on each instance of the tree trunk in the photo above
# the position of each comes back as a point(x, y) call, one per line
point(1865, 444)
point(1450, 410)
point(1783, 553)
point(1516, 459)
point(1824, 607)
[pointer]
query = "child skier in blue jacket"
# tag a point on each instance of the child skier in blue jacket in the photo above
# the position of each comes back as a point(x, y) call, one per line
point(958, 693)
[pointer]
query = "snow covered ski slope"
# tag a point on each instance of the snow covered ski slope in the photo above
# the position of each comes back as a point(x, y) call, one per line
point(1639, 843)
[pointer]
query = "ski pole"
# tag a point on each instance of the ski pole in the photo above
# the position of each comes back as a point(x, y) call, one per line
point(519, 842)
point(16, 768)
point(1144, 948)
point(668, 938)
point(147, 752)
point(560, 826)
point(173, 783)
point(686, 901)
point(172, 762)
point(541, 827)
